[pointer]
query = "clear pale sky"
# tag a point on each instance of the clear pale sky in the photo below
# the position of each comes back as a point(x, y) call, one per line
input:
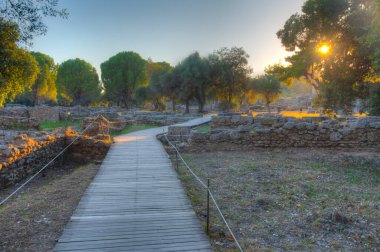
point(167, 30)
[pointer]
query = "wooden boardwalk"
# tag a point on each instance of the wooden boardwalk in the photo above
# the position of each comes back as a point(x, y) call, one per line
point(135, 203)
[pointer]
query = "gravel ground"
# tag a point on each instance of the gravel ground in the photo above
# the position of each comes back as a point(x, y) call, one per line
point(34, 220)
point(290, 200)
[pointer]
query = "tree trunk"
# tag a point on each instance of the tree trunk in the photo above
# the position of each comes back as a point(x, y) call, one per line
point(187, 107)
point(200, 107)
point(268, 107)
point(229, 103)
point(35, 100)
point(173, 105)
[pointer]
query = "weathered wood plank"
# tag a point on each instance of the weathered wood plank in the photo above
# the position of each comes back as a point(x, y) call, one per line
point(135, 203)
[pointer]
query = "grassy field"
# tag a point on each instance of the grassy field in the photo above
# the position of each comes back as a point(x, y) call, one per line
point(203, 128)
point(46, 125)
point(294, 199)
point(132, 128)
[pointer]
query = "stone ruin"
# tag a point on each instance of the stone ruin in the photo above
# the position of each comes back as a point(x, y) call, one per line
point(22, 153)
point(242, 132)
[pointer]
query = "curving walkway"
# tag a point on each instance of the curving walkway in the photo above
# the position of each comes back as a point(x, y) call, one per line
point(135, 203)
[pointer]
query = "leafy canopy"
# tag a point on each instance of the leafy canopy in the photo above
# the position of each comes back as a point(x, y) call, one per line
point(18, 68)
point(28, 14)
point(343, 26)
point(43, 90)
point(194, 80)
point(155, 91)
point(229, 70)
point(77, 83)
point(268, 87)
point(122, 74)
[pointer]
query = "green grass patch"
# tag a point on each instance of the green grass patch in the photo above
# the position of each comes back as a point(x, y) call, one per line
point(205, 128)
point(132, 128)
point(58, 124)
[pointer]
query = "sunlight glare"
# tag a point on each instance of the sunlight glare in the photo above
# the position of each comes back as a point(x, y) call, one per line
point(324, 49)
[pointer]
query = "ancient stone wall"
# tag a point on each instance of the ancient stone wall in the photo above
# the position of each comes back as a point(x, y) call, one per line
point(222, 122)
point(19, 162)
point(28, 155)
point(10, 122)
point(88, 149)
point(44, 113)
point(290, 134)
point(269, 121)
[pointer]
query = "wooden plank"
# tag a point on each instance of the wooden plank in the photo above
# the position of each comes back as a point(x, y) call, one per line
point(135, 203)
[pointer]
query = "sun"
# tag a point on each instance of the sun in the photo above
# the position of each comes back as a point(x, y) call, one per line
point(324, 49)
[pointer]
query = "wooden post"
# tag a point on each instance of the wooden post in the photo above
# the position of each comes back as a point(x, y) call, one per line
point(208, 208)
point(176, 155)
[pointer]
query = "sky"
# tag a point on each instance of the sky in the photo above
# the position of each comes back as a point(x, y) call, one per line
point(167, 30)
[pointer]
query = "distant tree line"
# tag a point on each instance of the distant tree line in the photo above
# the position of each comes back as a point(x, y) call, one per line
point(33, 78)
point(127, 79)
point(223, 76)
point(348, 68)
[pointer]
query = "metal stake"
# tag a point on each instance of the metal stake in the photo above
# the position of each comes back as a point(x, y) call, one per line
point(208, 208)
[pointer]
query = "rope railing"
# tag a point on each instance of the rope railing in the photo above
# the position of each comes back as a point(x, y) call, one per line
point(46, 165)
point(209, 192)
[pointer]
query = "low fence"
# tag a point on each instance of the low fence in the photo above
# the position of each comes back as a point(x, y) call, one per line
point(210, 195)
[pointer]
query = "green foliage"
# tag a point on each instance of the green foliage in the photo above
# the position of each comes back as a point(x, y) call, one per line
point(77, 83)
point(45, 125)
point(28, 15)
point(371, 40)
point(340, 95)
point(205, 128)
point(122, 74)
point(268, 87)
point(18, 68)
point(44, 89)
point(155, 92)
point(374, 99)
point(229, 71)
point(194, 80)
point(297, 88)
point(343, 25)
point(171, 84)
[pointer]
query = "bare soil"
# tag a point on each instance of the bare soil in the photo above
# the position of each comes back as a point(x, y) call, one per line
point(36, 217)
point(290, 199)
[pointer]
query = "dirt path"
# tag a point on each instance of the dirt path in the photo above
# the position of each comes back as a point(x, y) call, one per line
point(34, 220)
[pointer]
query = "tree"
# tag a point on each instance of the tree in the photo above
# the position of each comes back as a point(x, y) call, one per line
point(326, 41)
point(18, 68)
point(374, 99)
point(122, 74)
point(195, 80)
point(27, 14)
point(229, 71)
point(77, 83)
point(171, 84)
point(43, 89)
point(154, 93)
point(371, 40)
point(268, 87)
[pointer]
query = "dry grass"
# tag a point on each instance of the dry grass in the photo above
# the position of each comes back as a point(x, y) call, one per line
point(294, 199)
point(34, 220)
